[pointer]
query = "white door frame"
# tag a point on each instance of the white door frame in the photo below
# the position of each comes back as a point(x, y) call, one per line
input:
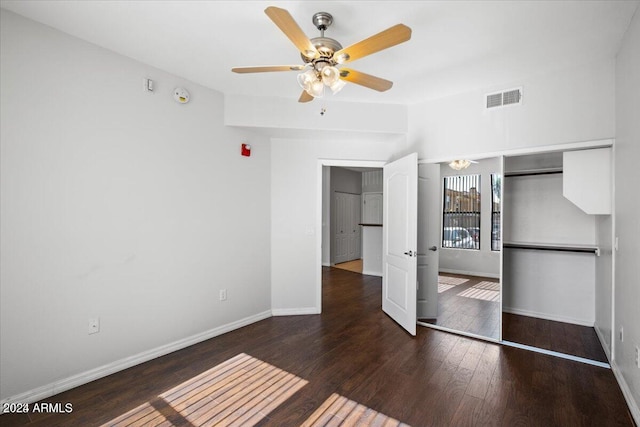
point(340, 163)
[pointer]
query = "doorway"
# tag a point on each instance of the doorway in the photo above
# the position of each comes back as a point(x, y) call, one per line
point(325, 239)
point(353, 213)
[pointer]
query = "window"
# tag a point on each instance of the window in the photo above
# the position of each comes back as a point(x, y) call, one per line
point(461, 213)
point(496, 192)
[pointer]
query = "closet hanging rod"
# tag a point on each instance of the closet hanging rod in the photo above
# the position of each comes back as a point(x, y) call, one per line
point(550, 247)
point(533, 172)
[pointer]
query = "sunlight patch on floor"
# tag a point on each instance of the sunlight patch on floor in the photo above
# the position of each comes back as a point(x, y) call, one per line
point(487, 291)
point(492, 286)
point(338, 410)
point(238, 392)
point(453, 281)
point(444, 287)
point(447, 282)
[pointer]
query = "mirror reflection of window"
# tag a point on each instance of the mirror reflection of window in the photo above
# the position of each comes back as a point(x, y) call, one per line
point(496, 195)
point(461, 213)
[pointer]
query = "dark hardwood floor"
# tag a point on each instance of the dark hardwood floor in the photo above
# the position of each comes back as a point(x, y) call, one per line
point(561, 337)
point(352, 361)
point(468, 304)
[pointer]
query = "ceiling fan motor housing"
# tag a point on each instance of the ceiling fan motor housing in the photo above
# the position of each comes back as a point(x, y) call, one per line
point(324, 45)
point(322, 20)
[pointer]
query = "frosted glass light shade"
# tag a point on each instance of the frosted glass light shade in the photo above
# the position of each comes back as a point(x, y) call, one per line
point(459, 164)
point(306, 79)
point(330, 75)
point(317, 89)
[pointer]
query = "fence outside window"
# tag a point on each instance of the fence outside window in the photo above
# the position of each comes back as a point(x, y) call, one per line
point(461, 213)
point(496, 197)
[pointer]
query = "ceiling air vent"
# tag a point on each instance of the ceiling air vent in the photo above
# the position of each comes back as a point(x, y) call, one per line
point(501, 99)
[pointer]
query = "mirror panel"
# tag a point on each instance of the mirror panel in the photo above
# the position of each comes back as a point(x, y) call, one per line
point(469, 293)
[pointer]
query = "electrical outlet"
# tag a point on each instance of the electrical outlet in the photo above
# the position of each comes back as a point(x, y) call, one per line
point(223, 294)
point(621, 334)
point(94, 325)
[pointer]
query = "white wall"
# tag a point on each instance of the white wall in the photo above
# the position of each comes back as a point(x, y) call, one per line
point(627, 206)
point(326, 216)
point(280, 114)
point(117, 204)
point(536, 212)
point(570, 105)
point(550, 285)
point(294, 211)
point(483, 262)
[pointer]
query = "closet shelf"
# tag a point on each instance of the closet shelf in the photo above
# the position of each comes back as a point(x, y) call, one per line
point(553, 247)
point(532, 172)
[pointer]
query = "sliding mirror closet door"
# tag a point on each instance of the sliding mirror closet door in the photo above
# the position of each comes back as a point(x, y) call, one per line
point(551, 258)
point(469, 249)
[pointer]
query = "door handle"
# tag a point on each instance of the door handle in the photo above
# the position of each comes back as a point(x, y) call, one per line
point(433, 248)
point(409, 253)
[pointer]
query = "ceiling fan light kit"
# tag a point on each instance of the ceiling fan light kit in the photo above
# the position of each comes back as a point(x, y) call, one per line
point(460, 164)
point(322, 55)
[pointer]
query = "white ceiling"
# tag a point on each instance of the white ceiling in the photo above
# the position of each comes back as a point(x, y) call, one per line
point(456, 46)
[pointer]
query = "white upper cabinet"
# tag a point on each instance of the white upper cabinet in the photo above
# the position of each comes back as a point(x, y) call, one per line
point(587, 180)
point(372, 208)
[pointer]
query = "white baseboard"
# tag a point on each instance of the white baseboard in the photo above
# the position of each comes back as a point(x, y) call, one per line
point(470, 273)
point(626, 392)
point(548, 316)
point(119, 365)
point(372, 273)
point(603, 342)
point(294, 311)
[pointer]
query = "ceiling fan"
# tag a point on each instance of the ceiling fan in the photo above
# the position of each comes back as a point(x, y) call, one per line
point(323, 55)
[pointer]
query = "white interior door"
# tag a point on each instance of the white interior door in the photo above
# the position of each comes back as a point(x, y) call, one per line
point(347, 232)
point(399, 241)
point(357, 219)
point(352, 228)
point(340, 221)
point(428, 240)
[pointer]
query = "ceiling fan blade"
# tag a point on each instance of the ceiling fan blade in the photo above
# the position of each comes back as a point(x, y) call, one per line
point(366, 80)
point(268, 68)
point(290, 28)
point(305, 97)
point(390, 37)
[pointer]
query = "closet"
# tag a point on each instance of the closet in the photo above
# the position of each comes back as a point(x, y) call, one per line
point(556, 217)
